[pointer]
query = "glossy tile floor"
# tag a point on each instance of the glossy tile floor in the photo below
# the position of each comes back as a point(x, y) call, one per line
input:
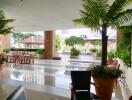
point(50, 76)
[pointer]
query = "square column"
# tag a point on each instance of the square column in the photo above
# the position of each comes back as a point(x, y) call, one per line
point(4, 41)
point(49, 44)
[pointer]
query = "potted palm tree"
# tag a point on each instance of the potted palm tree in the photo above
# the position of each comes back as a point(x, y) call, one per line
point(75, 43)
point(98, 54)
point(100, 15)
point(105, 77)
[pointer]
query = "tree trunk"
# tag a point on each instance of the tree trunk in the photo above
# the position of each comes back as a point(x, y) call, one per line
point(104, 44)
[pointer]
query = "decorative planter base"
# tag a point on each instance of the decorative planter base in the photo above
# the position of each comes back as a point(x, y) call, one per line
point(105, 89)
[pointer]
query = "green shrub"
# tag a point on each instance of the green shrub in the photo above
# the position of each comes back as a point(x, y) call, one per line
point(74, 52)
point(7, 50)
point(125, 55)
point(96, 42)
point(40, 51)
point(124, 49)
point(111, 54)
point(99, 53)
point(106, 72)
point(93, 50)
point(23, 49)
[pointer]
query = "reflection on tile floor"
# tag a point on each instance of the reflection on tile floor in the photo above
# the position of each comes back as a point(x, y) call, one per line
point(52, 73)
point(45, 72)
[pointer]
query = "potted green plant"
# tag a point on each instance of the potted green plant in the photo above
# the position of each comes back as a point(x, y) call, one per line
point(98, 54)
point(104, 79)
point(74, 42)
point(111, 56)
point(40, 53)
point(74, 53)
point(93, 51)
point(101, 15)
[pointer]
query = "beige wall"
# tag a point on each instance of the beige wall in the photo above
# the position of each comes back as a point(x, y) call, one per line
point(4, 41)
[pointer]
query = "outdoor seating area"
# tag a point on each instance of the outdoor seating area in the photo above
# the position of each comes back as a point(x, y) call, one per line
point(18, 58)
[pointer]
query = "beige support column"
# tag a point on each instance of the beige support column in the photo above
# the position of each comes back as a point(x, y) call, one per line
point(4, 41)
point(49, 44)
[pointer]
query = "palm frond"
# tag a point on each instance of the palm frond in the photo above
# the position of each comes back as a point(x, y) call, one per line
point(117, 7)
point(123, 17)
point(96, 7)
point(4, 29)
point(93, 13)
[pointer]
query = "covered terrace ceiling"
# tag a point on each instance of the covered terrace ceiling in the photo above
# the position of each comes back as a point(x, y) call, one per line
point(41, 15)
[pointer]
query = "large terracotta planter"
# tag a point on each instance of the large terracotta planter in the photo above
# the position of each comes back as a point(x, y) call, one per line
point(105, 89)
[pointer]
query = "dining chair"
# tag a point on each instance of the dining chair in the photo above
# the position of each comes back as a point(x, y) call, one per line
point(18, 94)
point(130, 98)
point(80, 86)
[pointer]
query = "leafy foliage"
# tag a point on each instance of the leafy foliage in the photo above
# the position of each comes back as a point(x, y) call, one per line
point(58, 45)
point(2, 57)
point(125, 55)
point(20, 36)
point(7, 50)
point(100, 14)
point(74, 52)
point(106, 72)
point(40, 51)
point(93, 50)
point(98, 53)
point(124, 50)
point(4, 28)
point(73, 41)
point(22, 49)
point(96, 42)
point(97, 12)
point(111, 54)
